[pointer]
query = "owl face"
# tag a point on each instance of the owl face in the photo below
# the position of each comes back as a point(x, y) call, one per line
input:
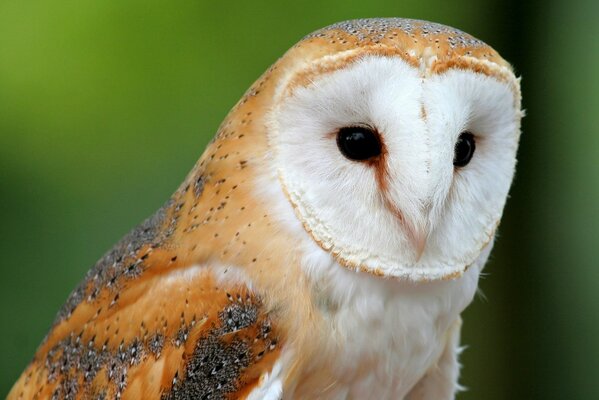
point(394, 168)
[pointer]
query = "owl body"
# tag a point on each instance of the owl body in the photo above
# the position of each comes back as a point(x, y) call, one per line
point(325, 243)
point(379, 339)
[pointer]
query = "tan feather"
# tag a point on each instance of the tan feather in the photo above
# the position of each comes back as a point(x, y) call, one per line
point(153, 319)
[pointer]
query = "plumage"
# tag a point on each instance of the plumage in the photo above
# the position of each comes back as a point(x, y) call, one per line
point(281, 269)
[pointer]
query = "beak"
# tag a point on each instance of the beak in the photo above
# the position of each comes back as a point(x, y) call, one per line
point(418, 237)
point(417, 233)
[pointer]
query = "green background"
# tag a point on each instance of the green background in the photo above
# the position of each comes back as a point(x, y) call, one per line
point(105, 105)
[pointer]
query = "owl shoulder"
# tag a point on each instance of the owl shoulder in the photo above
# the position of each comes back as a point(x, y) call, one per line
point(183, 335)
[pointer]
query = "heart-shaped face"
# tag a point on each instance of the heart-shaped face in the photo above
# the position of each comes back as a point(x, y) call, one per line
point(398, 160)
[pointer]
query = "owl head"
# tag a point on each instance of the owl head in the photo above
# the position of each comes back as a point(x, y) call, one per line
point(395, 141)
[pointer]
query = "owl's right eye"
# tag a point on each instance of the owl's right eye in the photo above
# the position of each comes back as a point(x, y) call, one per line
point(358, 143)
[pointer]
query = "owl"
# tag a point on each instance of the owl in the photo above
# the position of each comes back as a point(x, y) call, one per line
point(325, 243)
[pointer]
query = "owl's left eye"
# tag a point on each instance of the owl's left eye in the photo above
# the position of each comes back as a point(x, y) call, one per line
point(464, 149)
point(358, 143)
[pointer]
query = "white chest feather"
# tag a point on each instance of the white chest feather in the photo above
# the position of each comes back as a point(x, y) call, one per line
point(382, 336)
point(376, 336)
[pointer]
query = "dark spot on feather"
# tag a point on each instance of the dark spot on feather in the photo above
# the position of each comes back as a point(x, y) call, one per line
point(121, 261)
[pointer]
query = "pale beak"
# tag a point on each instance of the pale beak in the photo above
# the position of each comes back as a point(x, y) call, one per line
point(417, 233)
point(418, 238)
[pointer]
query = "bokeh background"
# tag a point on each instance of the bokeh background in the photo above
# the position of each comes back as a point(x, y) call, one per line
point(105, 106)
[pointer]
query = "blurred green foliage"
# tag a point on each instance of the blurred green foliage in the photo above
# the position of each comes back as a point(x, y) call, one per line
point(105, 106)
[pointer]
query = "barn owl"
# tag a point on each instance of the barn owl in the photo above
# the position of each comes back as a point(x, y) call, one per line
point(325, 243)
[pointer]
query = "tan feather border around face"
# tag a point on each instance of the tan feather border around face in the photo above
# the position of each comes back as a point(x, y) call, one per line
point(428, 65)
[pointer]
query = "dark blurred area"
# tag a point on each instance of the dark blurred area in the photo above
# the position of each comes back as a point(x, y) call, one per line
point(105, 106)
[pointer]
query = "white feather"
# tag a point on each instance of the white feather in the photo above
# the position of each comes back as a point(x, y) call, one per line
point(420, 120)
point(390, 334)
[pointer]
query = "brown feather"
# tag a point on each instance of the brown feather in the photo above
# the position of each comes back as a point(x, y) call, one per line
point(151, 320)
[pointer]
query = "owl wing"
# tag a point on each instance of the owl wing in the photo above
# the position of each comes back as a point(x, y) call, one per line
point(147, 324)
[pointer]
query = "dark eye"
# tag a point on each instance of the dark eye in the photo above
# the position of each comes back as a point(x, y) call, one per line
point(358, 143)
point(464, 149)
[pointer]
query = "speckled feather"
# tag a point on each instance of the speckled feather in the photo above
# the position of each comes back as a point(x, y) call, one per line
point(158, 315)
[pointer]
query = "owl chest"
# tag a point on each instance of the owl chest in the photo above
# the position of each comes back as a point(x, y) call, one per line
point(380, 340)
point(382, 355)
